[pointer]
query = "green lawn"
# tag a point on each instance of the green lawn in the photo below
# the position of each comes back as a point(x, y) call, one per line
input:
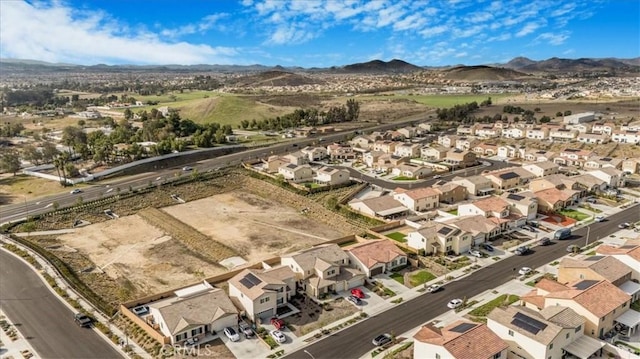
point(420, 278)
point(453, 211)
point(404, 178)
point(398, 237)
point(572, 213)
point(485, 309)
point(398, 277)
point(442, 100)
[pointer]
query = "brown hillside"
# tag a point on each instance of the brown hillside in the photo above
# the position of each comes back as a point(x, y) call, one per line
point(276, 78)
point(483, 73)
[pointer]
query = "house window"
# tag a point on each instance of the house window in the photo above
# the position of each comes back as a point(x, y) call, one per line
point(511, 333)
point(403, 260)
point(437, 356)
point(264, 300)
point(196, 331)
point(567, 336)
point(579, 328)
point(497, 355)
point(551, 346)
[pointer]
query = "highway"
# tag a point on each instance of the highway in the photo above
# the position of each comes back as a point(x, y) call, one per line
point(42, 319)
point(355, 341)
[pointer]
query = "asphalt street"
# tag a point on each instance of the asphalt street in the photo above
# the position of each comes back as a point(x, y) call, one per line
point(355, 341)
point(42, 319)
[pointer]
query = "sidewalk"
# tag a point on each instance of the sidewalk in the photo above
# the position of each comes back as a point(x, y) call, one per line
point(47, 268)
point(19, 348)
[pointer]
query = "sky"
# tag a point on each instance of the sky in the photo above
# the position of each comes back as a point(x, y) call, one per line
point(316, 33)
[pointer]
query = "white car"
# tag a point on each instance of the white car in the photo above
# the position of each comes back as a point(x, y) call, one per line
point(231, 334)
point(76, 191)
point(599, 218)
point(455, 303)
point(278, 336)
point(475, 253)
point(524, 271)
point(433, 288)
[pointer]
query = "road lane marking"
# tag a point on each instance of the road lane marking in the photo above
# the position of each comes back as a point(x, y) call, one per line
point(47, 206)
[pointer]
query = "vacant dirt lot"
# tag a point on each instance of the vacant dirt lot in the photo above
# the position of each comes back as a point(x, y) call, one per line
point(256, 227)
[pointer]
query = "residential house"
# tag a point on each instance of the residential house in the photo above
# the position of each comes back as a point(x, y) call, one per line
point(628, 253)
point(435, 153)
point(385, 207)
point(563, 134)
point(485, 131)
point(315, 153)
point(460, 159)
point(539, 156)
point(385, 146)
point(305, 131)
point(475, 185)
point(450, 193)
point(387, 162)
point(362, 141)
point(595, 138)
point(410, 150)
point(599, 302)
point(504, 179)
point(595, 268)
point(558, 181)
point(425, 127)
point(603, 128)
point(332, 176)
point(525, 176)
point(506, 151)
point(542, 169)
point(480, 227)
point(193, 312)
point(441, 238)
point(573, 157)
point(595, 162)
point(626, 137)
point(551, 333)
point(376, 257)
point(296, 173)
point(419, 199)
point(273, 163)
point(590, 183)
point(494, 208)
point(466, 143)
point(537, 133)
point(447, 141)
point(465, 130)
point(580, 127)
point(408, 132)
point(631, 126)
point(486, 149)
point(458, 340)
point(612, 176)
point(322, 270)
point(522, 203)
point(297, 158)
point(338, 151)
point(553, 199)
point(411, 170)
point(371, 158)
point(259, 292)
point(579, 118)
point(631, 165)
point(513, 132)
point(397, 136)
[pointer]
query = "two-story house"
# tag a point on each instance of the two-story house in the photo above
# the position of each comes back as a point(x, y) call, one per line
point(419, 199)
point(439, 238)
point(447, 141)
point(628, 253)
point(595, 138)
point(450, 193)
point(485, 131)
point(626, 137)
point(563, 134)
point(411, 170)
point(339, 151)
point(524, 204)
point(480, 227)
point(460, 159)
point(465, 130)
point(460, 339)
point(605, 128)
point(433, 153)
point(595, 268)
point(613, 177)
point(410, 150)
point(513, 132)
point(539, 156)
point(315, 153)
point(542, 169)
point(297, 158)
point(475, 185)
point(295, 173)
point(494, 208)
point(332, 176)
point(322, 270)
point(504, 179)
point(385, 146)
point(261, 291)
point(384, 207)
point(537, 133)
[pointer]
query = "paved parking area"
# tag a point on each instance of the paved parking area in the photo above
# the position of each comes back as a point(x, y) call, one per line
point(246, 348)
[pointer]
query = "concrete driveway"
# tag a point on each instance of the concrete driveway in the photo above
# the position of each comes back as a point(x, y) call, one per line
point(246, 348)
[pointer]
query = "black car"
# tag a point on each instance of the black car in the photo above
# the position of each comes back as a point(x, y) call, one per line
point(82, 319)
point(522, 250)
point(487, 247)
point(545, 241)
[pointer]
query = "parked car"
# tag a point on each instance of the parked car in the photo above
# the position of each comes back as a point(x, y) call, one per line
point(355, 300)
point(562, 233)
point(187, 168)
point(524, 271)
point(530, 229)
point(454, 303)
point(76, 191)
point(600, 218)
point(143, 309)
point(487, 247)
point(231, 334)
point(475, 253)
point(433, 288)
point(437, 177)
point(591, 200)
point(573, 248)
point(381, 339)
point(246, 329)
point(278, 336)
point(624, 225)
point(357, 292)
point(82, 320)
point(277, 323)
point(522, 250)
point(544, 241)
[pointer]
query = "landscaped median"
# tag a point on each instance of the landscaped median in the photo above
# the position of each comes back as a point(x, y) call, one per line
point(480, 314)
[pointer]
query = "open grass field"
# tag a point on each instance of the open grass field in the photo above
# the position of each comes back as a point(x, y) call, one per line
point(22, 187)
point(442, 101)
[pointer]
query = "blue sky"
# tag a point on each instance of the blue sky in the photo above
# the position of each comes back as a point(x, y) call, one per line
point(316, 33)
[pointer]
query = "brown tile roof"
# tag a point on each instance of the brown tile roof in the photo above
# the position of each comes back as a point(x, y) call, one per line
point(553, 195)
point(419, 193)
point(549, 285)
point(627, 248)
point(474, 224)
point(607, 266)
point(270, 280)
point(475, 343)
point(599, 299)
point(493, 203)
point(562, 316)
point(373, 252)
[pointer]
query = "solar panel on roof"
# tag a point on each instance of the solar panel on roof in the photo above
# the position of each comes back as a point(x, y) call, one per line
point(445, 230)
point(509, 175)
point(515, 197)
point(594, 258)
point(462, 328)
point(527, 323)
point(585, 284)
point(250, 280)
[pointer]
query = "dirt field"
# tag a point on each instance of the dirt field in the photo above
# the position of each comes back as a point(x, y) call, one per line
point(152, 261)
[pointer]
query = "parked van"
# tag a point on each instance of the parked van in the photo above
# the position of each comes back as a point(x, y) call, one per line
point(562, 233)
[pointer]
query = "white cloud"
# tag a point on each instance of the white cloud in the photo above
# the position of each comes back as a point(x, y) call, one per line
point(290, 34)
point(528, 28)
point(58, 33)
point(553, 39)
point(433, 31)
point(460, 54)
point(503, 37)
point(566, 8)
point(479, 17)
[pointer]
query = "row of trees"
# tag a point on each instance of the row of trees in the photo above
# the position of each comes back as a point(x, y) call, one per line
point(311, 117)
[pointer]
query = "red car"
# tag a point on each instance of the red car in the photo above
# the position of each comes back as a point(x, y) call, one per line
point(357, 292)
point(277, 323)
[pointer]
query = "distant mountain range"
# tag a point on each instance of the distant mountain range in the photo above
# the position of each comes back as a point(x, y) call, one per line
point(517, 67)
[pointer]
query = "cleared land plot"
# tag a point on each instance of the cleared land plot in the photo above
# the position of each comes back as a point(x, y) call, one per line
point(17, 189)
point(254, 226)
